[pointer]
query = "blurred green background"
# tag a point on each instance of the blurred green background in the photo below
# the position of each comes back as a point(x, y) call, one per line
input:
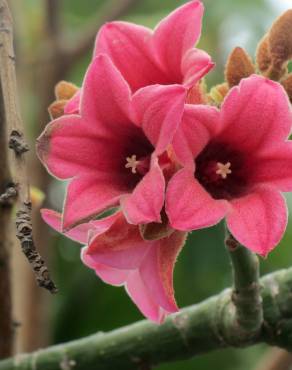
point(84, 304)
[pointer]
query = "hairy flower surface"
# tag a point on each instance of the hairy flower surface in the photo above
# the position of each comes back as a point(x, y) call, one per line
point(119, 256)
point(236, 162)
point(164, 56)
point(110, 150)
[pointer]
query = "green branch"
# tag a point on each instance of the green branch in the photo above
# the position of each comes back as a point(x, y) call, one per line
point(197, 329)
point(246, 295)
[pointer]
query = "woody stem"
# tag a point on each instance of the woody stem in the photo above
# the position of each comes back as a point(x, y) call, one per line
point(195, 330)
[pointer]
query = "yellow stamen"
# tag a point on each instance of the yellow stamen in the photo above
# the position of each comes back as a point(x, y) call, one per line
point(132, 163)
point(223, 169)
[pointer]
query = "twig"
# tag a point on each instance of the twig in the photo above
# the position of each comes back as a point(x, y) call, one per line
point(246, 295)
point(6, 325)
point(7, 198)
point(195, 330)
point(17, 160)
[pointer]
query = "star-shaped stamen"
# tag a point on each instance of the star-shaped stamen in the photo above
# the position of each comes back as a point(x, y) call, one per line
point(223, 169)
point(132, 163)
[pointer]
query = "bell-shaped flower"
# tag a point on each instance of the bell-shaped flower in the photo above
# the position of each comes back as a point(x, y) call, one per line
point(110, 151)
point(236, 162)
point(164, 56)
point(119, 256)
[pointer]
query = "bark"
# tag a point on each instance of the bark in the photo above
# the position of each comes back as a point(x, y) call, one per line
point(14, 181)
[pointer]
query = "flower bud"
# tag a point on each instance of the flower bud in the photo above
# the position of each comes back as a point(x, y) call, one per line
point(239, 65)
point(65, 90)
point(56, 109)
point(275, 50)
point(280, 39)
point(37, 196)
point(263, 56)
point(287, 84)
point(218, 93)
point(197, 94)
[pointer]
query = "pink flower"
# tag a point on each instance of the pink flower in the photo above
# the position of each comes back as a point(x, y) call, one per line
point(164, 56)
point(120, 256)
point(236, 163)
point(110, 151)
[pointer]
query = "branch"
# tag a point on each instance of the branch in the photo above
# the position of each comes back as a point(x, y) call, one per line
point(85, 41)
point(195, 330)
point(17, 160)
point(6, 201)
point(246, 291)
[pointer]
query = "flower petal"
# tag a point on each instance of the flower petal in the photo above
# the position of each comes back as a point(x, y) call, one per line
point(274, 168)
point(258, 220)
point(67, 147)
point(145, 203)
point(111, 275)
point(157, 269)
point(105, 98)
point(256, 115)
point(54, 219)
point(199, 124)
point(195, 65)
point(88, 196)
point(121, 246)
point(107, 274)
point(189, 206)
point(128, 46)
point(143, 298)
point(158, 110)
point(176, 34)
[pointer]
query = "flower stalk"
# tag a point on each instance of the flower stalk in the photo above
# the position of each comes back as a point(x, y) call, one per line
point(246, 294)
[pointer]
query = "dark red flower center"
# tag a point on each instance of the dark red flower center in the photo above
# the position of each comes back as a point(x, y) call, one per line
point(136, 157)
point(223, 170)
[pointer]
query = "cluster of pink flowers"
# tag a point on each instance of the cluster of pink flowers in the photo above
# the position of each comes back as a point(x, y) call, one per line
point(131, 140)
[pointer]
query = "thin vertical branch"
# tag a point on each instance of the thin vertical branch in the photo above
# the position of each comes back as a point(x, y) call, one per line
point(6, 332)
point(35, 331)
point(16, 157)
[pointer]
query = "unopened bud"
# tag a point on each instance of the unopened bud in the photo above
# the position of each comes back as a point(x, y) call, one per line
point(218, 93)
point(65, 90)
point(197, 94)
point(239, 65)
point(37, 196)
point(280, 39)
point(287, 84)
point(56, 109)
point(263, 56)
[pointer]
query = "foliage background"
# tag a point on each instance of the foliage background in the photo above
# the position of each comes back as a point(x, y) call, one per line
point(84, 304)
